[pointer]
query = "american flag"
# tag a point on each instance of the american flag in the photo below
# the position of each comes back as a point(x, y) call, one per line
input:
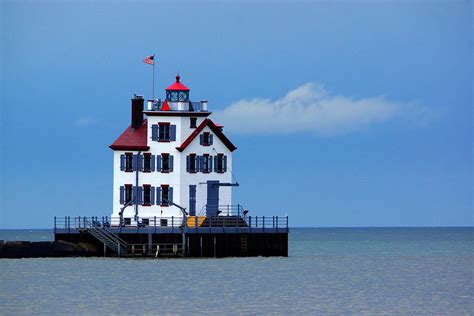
point(150, 60)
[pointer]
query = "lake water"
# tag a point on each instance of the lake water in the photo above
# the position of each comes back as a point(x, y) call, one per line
point(329, 270)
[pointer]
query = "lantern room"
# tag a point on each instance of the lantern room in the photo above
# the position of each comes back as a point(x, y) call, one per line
point(177, 92)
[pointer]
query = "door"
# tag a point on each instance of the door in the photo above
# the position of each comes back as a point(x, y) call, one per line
point(192, 200)
point(212, 198)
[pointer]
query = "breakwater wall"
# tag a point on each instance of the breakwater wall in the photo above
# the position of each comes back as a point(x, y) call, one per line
point(45, 249)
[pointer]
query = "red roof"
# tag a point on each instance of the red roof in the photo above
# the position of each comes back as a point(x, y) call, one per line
point(132, 139)
point(178, 85)
point(217, 131)
point(165, 106)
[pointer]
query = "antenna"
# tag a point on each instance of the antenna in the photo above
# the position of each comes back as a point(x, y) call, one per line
point(231, 172)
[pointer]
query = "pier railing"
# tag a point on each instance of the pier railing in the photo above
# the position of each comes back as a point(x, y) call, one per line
point(156, 222)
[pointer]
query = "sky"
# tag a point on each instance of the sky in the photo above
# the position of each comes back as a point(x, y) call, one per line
point(345, 113)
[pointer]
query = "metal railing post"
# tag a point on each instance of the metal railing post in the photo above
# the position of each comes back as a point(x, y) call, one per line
point(263, 223)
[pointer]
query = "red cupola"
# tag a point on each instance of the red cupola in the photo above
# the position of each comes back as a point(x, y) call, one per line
point(177, 92)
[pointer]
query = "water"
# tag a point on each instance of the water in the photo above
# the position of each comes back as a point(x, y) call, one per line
point(331, 271)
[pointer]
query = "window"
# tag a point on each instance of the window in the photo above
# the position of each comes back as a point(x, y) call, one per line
point(163, 132)
point(146, 195)
point(191, 163)
point(146, 162)
point(193, 122)
point(177, 96)
point(127, 221)
point(206, 163)
point(128, 162)
point(145, 221)
point(165, 163)
point(220, 163)
point(206, 139)
point(164, 195)
point(128, 193)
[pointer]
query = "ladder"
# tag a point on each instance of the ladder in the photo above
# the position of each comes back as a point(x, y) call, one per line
point(243, 243)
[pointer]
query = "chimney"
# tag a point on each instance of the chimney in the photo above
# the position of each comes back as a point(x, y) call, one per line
point(204, 105)
point(137, 111)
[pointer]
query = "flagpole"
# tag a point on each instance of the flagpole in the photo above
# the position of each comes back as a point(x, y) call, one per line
point(153, 88)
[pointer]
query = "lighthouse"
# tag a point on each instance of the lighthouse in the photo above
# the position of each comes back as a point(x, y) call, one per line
point(172, 190)
point(172, 157)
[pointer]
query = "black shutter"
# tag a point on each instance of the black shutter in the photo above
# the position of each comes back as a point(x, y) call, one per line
point(122, 162)
point(152, 163)
point(122, 195)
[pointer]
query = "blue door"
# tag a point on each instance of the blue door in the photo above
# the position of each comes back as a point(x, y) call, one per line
point(212, 198)
point(192, 200)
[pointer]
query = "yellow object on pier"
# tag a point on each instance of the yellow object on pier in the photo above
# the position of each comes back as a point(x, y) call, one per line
point(193, 220)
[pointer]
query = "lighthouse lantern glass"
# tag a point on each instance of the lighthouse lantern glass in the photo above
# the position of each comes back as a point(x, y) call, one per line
point(177, 96)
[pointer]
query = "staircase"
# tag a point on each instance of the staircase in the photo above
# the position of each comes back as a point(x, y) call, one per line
point(111, 240)
point(224, 221)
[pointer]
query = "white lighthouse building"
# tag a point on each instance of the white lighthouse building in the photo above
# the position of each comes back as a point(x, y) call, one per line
point(177, 155)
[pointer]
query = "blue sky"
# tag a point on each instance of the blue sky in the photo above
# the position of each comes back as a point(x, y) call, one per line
point(344, 113)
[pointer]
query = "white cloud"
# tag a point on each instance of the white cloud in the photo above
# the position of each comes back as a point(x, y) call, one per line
point(310, 108)
point(85, 121)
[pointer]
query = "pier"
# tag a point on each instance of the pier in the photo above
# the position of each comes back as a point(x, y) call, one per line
point(193, 236)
